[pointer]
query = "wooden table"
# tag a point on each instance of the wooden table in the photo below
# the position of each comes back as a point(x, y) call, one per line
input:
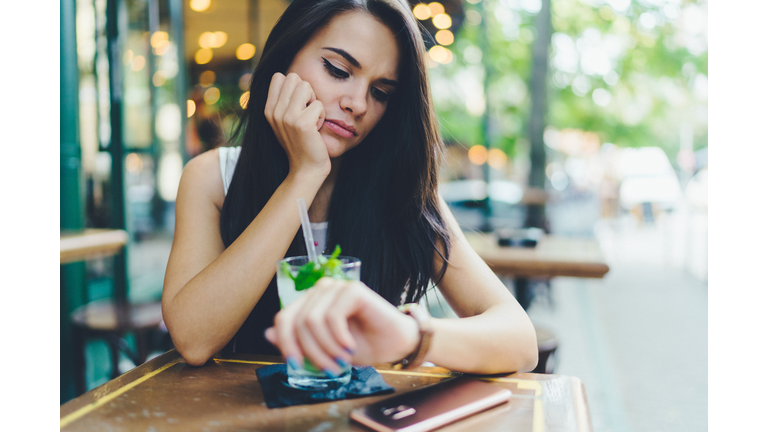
point(552, 256)
point(90, 243)
point(166, 394)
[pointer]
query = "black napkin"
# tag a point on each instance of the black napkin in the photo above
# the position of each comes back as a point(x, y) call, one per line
point(365, 381)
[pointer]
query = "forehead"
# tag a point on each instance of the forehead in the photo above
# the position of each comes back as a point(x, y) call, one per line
point(365, 38)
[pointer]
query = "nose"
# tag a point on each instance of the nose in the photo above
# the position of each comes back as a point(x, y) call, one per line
point(355, 101)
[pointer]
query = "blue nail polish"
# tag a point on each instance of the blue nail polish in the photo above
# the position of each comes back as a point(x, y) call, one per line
point(329, 373)
point(342, 364)
point(349, 350)
point(293, 363)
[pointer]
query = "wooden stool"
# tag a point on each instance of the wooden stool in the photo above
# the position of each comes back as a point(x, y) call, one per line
point(547, 343)
point(112, 321)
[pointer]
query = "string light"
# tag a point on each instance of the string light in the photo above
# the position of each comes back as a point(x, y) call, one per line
point(191, 108)
point(442, 21)
point(138, 63)
point(203, 56)
point(477, 154)
point(444, 37)
point(211, 96)
point(199, 5)
point(244, 99)
point(497, 158)
point(207, 78)
point(422, 12)
point(436, 9)
point(245, 51)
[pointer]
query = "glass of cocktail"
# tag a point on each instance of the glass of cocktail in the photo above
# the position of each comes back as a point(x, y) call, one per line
point(296, 275)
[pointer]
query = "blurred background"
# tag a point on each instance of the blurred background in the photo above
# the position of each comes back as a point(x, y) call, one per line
point(584, 118)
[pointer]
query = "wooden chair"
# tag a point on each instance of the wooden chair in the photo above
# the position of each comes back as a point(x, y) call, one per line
point(113, 321)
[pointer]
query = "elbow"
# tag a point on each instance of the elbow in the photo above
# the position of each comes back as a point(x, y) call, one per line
point(529, 353)
point(194, 356)
point(193, 352)
point(530, 359)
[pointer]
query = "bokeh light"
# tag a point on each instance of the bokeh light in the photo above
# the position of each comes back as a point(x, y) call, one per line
point(127, 57)
point(158, 79)
point(162, 48)
point(211, 96)
point(473, 17)
point(244, 99)
point(244, 82)
point(444, 37)
point(448, 56)
point(497, 158)
point(435, 8)
point(245, 51)
point(438, 54)
point(421, 11)
point(212, 39)
point(199, 5)
point(138, 63)
point(207, 78)
point(168, 122)
point(477, 154)
point(158, 38)
point(203, 56)
point(191, 108)
point(133, 163)
point(442, 21)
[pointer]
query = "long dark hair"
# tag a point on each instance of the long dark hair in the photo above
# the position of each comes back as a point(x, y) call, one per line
point(384, 207)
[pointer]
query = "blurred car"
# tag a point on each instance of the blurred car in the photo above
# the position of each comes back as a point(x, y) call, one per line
point(647, 177)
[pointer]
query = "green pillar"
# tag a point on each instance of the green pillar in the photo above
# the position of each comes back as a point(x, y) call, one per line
point(536, 216)
point(485, 47)
point(117, 176)
point(72, 276)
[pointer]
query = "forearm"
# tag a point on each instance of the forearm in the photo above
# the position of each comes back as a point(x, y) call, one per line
point(498, 340)
point(209, 309)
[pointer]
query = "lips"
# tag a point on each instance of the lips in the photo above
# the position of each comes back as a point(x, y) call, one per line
point(341, 128)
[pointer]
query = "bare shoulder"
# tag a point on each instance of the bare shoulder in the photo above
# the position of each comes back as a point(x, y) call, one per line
point(201, 179)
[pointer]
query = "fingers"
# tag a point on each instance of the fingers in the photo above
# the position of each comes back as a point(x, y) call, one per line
point(315, 327)
point(316, 110)
point(274, 92)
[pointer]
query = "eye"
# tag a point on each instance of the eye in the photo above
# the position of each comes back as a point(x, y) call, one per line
point(380, 95)
point(333, 70)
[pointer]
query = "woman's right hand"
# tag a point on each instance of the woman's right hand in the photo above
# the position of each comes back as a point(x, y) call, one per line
point(296, 117)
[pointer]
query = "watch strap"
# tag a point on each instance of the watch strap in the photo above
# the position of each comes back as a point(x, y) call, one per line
point(422, 317)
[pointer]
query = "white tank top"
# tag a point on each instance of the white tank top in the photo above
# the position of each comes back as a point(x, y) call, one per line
point(228, 160)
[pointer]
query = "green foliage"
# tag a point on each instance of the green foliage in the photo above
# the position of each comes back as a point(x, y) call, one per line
point(634, 77)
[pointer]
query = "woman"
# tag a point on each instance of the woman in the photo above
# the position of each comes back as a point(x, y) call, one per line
point(341, 115)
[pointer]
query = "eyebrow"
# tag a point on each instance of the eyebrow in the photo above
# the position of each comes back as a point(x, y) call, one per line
point(356, 63)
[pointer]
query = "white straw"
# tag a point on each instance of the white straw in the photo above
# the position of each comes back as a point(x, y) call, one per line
point(309, 240)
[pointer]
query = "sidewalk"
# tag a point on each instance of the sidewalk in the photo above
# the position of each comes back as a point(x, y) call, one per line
point(638, 337)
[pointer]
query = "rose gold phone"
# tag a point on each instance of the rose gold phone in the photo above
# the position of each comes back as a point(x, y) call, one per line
point(431, 407)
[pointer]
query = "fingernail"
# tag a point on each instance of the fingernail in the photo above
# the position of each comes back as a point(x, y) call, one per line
point(330, 374)
point(342, 364)
point(349, 350)
point(293, 363)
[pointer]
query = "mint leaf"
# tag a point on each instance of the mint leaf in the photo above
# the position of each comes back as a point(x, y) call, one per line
point(311, 272)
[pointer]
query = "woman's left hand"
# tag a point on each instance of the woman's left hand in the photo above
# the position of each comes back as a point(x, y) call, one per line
point(340, 321)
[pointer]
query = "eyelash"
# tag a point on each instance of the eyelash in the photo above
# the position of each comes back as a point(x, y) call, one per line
point(339, 74)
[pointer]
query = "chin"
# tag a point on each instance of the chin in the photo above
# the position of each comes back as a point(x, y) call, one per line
point(336, 147)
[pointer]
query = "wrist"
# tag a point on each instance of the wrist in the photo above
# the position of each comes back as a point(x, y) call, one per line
point(423, 321)
point(307, 177)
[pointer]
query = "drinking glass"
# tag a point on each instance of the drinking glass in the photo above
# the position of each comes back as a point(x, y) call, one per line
point(307, 376)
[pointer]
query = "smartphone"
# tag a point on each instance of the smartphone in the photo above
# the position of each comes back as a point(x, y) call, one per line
point(431, 407)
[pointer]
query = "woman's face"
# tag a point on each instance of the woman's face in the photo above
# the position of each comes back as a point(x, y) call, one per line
point(352, 66)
